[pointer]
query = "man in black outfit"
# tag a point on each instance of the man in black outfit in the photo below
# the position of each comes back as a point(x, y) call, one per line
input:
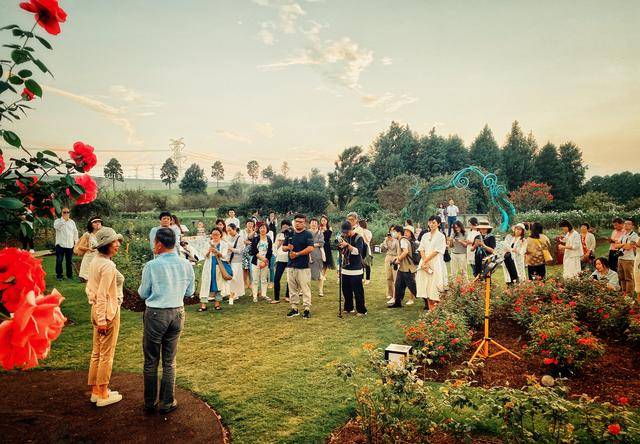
point(351, 254)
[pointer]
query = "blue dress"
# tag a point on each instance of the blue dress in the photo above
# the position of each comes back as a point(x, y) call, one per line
point(214, 268)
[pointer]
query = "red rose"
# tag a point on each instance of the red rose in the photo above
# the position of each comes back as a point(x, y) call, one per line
point(623, 400)
point(2, 164)
point(83, 156)
point(90, 189)
point(454, 341)
point(605, 316)
point(24, 188)
point(20, 273)
point(572, 304)
point(27, 95)
point(614, 429)
point(27, 336)
point(549, 361)
point(48, 13)
point(440, 347)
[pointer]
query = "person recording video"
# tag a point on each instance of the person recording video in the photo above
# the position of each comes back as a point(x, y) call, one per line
point(352, 249)
point(299, 244)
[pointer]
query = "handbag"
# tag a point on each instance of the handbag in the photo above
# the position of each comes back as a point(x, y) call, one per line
point(225, 269)
point(447, 255)
point(548, 259)
point(81, 243)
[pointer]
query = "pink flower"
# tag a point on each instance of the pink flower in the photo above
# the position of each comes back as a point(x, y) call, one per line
point(2, 164)
point(27, 95)
point(454, 341)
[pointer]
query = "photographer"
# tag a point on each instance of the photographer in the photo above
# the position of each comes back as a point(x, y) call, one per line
point(484, 245)
point(405, 265)
point(299, 246)
point(626, 254)
point(616, 235)
point(352, 250)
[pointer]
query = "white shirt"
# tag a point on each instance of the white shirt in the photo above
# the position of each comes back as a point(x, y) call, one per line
point(281, 256)
point(232, 220)
point(66, 233)
point(573, 240)
point(471, 235)
point(433, 242)
point(631, 238)
point(452, 210)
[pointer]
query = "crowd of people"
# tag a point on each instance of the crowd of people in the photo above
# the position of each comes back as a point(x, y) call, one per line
point(253, 258)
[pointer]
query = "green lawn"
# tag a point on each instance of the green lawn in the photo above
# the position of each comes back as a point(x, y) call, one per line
point(271, 378)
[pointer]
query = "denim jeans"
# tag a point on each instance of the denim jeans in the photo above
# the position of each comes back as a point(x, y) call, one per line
point(65, 254)
point(162, 328)
point(450, 221)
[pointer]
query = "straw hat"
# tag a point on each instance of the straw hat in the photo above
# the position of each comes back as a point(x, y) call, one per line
point(485, 225)
point(106, 235)
point(410, 228)
point(521, 226)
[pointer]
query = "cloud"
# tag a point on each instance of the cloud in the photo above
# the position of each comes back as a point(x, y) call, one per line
point(288, 14)
point(386, 61)
point(340, 61)
point(117, 116)
point(236, 137)
point(265, 129)
point(266, 37)
point(131, 97)
point(391, 102)
point(364, 122)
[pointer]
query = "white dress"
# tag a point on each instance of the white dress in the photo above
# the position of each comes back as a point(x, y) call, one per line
point(205, 282)
point(236, 285)
point(571, 261)
point(429, 285)
point(88, 257)
point(517, 254)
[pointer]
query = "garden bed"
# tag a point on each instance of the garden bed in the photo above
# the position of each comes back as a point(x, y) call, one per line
point(133, 302)
point(609, 377)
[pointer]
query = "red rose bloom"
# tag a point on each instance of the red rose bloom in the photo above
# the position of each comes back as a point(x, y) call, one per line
point(48, 13)
point(623, 400)
point(454, 341)
point(20, 273)
point(24, 188)
point(549, 361)
point(2, 164)
point(27, 95)
point(90, 189)
point(83, 156)
point(614, 429)
point(27, 336)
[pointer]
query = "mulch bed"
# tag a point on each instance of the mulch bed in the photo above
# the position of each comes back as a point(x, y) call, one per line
point(133, 302)
point(615, 374)
point(54, 406)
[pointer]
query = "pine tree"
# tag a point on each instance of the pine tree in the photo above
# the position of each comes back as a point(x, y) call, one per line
point(193, 181)
point(253, 170)
point(549, 171)
point(393, 153)
point(517, 157)
point(217, 172)
point(169, 172)
point(113, 171)
point(485, 153)
point(573, 170)
point(431, 159)
point(456, 154)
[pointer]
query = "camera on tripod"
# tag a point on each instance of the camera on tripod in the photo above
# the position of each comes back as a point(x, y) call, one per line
point(490, 263)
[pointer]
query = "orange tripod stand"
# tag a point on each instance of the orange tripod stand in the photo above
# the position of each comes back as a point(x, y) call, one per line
point(483, 350)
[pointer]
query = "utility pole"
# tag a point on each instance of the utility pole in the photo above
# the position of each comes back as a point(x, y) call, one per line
point(177, 147)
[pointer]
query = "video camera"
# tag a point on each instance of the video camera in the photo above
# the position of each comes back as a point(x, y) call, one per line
point(490, 263)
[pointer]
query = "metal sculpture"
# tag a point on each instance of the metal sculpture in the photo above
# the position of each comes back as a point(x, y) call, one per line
point(497, 193)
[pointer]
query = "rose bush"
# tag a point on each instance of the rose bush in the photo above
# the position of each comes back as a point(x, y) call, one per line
point(468, 299)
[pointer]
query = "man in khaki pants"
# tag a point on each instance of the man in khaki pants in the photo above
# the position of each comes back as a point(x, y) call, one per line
point(299, 245)
point(627, 246)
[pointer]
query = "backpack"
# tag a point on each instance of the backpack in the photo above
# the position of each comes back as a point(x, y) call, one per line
point(414, 254)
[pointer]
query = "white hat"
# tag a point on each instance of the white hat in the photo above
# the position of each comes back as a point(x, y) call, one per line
point(410, 228)
point(106, 235)
point(521, 226)
point(485, 225)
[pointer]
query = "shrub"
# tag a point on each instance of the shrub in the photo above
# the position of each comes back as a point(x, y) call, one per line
point(531, 196)
point(468, 299)
point(561, 343)
point(633, 330)
point(527, 300)
point(439, 335)
point(595, 201)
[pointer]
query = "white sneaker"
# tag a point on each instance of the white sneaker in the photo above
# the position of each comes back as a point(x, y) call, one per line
point(409, 302)
point(255, 299)
point(112, 399)
point(367, 282)
point(231, 300)
point(94, 398)
point(391, 301)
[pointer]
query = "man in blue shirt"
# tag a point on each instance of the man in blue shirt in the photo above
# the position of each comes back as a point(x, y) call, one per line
point(165, 222)
point(166, 280)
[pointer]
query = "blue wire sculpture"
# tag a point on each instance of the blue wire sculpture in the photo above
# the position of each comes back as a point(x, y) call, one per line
point(497, 193)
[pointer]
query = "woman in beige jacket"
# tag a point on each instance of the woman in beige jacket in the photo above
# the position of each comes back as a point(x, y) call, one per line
point(104, 291)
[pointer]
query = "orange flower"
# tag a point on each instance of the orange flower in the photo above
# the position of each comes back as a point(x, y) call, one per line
point(20, 273)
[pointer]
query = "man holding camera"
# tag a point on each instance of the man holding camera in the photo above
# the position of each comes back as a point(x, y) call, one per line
point(616, 235)
point(299, 244)
point(352, 250)
point(626, 254)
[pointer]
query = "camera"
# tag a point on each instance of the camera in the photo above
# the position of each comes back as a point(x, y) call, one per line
point(288, 236)
point(618, 253)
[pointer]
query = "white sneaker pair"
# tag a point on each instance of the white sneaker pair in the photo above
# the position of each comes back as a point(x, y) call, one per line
point(391, 301)
point(111, 399)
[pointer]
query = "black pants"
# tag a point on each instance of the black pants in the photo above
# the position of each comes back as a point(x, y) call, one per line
point(64, 254)
point(162, 328)
point(27, 241)
point(537, 271)
point(352, 287)
point(404, 280)
point(367, 272)
point(613, 260)
point(281, 267)
point(511, 268)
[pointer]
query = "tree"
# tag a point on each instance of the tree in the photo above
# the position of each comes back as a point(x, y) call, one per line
point(169, 172)
point(217, 172)
point(253, 170)
point(532, 196)
point(134, 201)
point(193, 181)
point(485, 153)
point(393, 153)
point(431, 159)
point(268, 173)
point(395, 195)
point(596, 201)
point(456, 154)
point(284, 169)
point(549, 171)
point(517, 157)
point(573, 170)
point(623, 187)
point(317, 181)
point(200, 202)
point(113, 171)
point(344, 182)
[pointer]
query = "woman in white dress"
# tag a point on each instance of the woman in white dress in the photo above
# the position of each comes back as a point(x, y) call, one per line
point(572, 247)
point(213, 285)
point(235, 241)
point(87, 247)
point(429, 283)
point(516, 245)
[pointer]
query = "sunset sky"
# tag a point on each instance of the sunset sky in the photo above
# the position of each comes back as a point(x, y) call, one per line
point(302, 80)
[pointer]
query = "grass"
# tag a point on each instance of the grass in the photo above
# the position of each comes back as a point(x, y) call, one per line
point(271, 378)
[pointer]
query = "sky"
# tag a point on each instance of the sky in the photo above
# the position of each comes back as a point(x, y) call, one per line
point(300, 80)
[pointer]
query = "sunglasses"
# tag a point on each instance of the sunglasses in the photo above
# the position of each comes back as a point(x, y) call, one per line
point(65, 212)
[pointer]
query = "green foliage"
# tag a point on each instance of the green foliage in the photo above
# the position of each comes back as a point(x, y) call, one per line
point(268, 173)
point(596, 201)
point(517, 158)
point(392, 153)
point(200, 202)
point(549, 171)
point(113, 171)
point(133, 201)
point(365, 209)
point(573, 170)
point(102, 206)
point(286, 199)
point(253, 170)
point(160, 201)
point(217, 172)
point(396, 193)
point(599, 220)
point(532, 196)
point(623, 187)
point(169, 172)
point(461, 196)
point(193, 181)
point(350, 169)
point(485, 153)
point(467, 299)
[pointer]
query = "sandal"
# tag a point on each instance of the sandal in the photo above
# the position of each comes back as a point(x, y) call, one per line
point(274, 301)
point(217, 308)
point(203, 309)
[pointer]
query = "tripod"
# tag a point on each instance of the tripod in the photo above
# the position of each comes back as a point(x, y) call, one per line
point(483, 350)
point(339, 284)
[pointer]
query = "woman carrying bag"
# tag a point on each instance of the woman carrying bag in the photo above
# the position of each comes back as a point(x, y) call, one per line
point(86, 247)
point(216, 272)
point(538, 253)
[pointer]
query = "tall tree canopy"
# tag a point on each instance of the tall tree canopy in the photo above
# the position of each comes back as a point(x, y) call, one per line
point(485, 153)
point(217, 172)
point(253, 170)
point(193, 180)
point(113, 171)
point(517, 157)
point(393, 153)
point(351, 169)
point(169, 172)
point(573, 171)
